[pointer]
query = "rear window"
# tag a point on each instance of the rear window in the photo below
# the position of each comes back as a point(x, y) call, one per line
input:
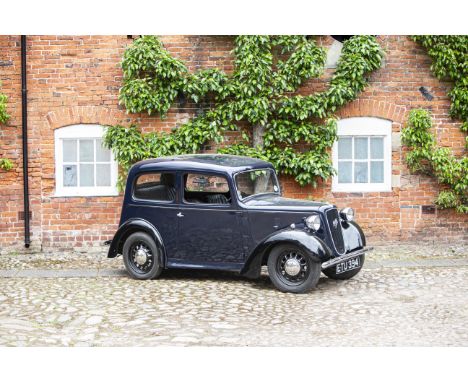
point(155, 186)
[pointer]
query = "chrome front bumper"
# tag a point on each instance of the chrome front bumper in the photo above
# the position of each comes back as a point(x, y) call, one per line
point(339, 259)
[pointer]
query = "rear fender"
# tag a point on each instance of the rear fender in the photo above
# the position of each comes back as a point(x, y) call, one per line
point(132, 226)
point(309, 243)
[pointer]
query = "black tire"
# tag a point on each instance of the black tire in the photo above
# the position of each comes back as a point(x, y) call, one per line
point(331, 272)
point(151, 268)
point(308, 276)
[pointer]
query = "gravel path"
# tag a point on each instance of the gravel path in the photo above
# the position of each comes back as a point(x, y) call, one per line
point(409, 301)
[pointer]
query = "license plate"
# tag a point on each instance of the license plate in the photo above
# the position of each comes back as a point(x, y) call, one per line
point(347, 265)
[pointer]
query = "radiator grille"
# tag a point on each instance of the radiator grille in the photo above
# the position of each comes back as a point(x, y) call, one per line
point(334, 223)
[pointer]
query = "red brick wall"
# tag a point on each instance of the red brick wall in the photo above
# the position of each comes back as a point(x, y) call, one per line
point(75, 79)
point(10, 143)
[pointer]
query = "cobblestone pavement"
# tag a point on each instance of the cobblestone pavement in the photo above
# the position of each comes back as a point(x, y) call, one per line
point(401, 300)
point(95, 258)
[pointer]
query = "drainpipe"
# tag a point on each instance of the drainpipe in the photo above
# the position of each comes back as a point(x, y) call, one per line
point(24, 117)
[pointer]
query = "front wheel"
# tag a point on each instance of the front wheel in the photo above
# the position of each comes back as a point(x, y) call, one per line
point(141, 256)
point(331, 272)
point(292, 270)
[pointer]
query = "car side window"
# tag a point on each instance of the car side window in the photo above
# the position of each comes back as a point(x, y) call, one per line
point(206, 189)
point(155, 186)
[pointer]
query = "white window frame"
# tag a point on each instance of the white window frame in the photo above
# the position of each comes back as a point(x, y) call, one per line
point(81, 132)
point(368, 127)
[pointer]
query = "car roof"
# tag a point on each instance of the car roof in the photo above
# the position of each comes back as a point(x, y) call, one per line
point(218, 162)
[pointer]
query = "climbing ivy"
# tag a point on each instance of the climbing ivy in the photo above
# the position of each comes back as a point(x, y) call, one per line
point(449, 56)
point(4, 117)
point(5, 164)
point(259, 93)
point(427, 158)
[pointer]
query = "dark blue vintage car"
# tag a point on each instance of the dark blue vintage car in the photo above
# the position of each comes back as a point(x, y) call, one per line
point(226, 212)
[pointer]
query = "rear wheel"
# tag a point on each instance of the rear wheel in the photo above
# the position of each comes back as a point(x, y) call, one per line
point(331, 272)
point(141, 256)
point(292, 270)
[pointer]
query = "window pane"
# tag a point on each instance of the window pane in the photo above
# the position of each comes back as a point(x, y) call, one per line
point(69, 150)
point(155, 186)
point(86, 150)
point(253, 182)
point(376, 147)
point(360, 172)
point(102, 154)
point(86, 175)
point(377, 172)
point(344, 172)
point(360, 148)
point(146, 179)
point(344, 148)
point(69, 175)
point(214, 189)
point(206, 183)
point(103, 175)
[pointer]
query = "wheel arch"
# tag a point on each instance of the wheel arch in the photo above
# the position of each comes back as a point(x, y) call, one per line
point(136, 225)
point(309, 243)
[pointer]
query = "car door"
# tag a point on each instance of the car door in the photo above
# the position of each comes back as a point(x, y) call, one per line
point(154, 200)
point(208, 234)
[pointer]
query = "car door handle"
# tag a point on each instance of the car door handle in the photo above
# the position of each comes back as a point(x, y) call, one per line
point(180, 215)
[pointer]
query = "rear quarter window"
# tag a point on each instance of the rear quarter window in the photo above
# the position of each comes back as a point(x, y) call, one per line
point(155, 186)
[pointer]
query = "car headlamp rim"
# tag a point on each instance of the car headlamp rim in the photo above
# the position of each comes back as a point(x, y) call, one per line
point(347, 214)
point(313, 222)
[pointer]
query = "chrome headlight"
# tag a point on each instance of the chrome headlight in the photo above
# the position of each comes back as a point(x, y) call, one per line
point(313, 222)
point(347, 214)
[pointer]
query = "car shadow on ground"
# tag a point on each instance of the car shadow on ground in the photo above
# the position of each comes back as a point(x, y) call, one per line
point(263, 282)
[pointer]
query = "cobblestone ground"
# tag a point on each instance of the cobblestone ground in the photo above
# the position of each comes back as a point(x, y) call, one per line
point(401, 297)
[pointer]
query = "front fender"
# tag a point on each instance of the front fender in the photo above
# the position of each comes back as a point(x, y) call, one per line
point(131, 226)
point(311, 244)
point(353, 236)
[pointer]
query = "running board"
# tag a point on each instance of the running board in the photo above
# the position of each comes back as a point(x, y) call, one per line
point(339, 259)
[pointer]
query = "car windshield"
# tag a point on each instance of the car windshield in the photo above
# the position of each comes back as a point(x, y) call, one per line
point(256, 182)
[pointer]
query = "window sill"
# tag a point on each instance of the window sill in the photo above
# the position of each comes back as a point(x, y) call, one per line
point(85, 195)
point(348, 188)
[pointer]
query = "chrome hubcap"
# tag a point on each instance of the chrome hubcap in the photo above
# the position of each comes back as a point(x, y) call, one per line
point(292, 267)
point(141, 256)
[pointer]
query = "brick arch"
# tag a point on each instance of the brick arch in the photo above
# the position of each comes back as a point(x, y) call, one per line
point(75, 115)
point(374, 108)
